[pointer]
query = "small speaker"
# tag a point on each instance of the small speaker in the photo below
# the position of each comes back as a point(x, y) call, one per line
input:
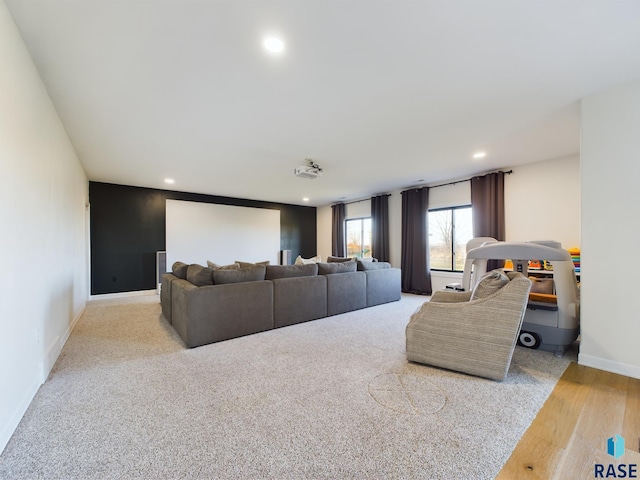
point(285, 257)
point(161, 267)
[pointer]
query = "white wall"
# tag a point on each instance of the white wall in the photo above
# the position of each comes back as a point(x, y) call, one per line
point(358, 209)
point(44, 278)
point(610, 322)
point(542, 202)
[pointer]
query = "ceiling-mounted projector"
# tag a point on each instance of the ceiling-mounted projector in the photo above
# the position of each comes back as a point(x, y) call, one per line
point(310, 170)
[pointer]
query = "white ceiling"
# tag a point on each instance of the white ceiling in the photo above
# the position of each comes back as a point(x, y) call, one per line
point(381, 94)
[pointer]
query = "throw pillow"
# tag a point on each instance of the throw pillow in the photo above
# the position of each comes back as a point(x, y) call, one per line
point(215, 266)
point(251, 264)
point(489, 284)
point(367, 259)
point(179, 269)
point(340, 259)
point(336, 267)
point(199, 275)
point(223, 276)
point(363, 266)
point(307, 261)
point(288, 271)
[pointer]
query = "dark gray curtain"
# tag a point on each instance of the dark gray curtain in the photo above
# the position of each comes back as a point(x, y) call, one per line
point(380, 227)
point(416, 276)
point(487, 205)
point(338, 213)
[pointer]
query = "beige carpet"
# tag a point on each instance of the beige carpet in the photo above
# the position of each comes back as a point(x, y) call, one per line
point(333, 398)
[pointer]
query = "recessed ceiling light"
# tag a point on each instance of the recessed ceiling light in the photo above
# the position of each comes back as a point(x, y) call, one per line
point(170, 181)
point(273, 44)
point(305, 199)
point(479, 155)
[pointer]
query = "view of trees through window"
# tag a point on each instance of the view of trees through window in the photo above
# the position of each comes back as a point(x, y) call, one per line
point(449, 231)
point(358, 232)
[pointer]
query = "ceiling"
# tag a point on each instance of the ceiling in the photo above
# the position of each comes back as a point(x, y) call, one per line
point(382, 95)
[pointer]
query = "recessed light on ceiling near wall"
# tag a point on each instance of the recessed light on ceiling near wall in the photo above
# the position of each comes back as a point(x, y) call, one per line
point(170, 181)
point(273, 44)
point(479, 155)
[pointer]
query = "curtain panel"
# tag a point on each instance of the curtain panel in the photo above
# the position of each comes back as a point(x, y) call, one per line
point(487, 205)
point(416, 276)
point(380, 227)
point(338, 214)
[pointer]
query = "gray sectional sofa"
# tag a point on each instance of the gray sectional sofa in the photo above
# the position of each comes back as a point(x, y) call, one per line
point(206, 305)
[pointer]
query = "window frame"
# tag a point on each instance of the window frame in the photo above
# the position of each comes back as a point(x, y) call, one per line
point(346, 230)
point(453, 236)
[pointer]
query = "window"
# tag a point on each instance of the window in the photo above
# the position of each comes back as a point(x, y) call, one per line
point(449, 231)
point(358, 232)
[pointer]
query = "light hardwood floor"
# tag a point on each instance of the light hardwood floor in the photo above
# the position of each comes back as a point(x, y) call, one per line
point(569, 434)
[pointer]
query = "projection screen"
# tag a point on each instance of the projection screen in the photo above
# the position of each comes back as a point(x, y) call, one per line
point(197, 232)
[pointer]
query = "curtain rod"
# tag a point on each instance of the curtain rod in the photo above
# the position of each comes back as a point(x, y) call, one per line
point(509, 172)
point(365, 199)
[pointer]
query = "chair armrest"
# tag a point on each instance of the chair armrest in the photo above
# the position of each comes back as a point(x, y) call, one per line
point(443, 296)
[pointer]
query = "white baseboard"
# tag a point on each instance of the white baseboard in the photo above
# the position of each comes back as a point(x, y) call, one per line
point(44, 368)
point(609, 365)
point(106, 296)
point(14, 420)
point(54, 350)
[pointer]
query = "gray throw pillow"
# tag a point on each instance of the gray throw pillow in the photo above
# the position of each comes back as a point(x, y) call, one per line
point(336, 267)
point(340, 259)
point(363, 266)
point(179, 269)
point(289, 271)
point(215, 266)
point(199, 275)
point(489, 284)
point(239, 275)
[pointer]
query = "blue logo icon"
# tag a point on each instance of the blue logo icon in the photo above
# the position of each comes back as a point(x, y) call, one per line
point(615, 446)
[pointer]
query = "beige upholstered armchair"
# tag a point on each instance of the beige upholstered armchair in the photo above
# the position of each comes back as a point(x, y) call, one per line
point(471, 332)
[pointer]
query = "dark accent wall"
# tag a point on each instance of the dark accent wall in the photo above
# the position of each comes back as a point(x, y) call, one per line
point(128, 228)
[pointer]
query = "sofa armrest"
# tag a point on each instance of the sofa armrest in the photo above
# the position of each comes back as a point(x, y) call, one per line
point(165, 294)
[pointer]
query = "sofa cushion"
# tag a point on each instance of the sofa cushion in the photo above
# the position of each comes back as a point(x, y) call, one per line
point(306, 261)
point(289, 271)
point(299, 299)
point(179, 269)
point(489, 284)
point(340, 259)
point(215, 266)
point(199, 275)
point(249, 274)
point(362, 266)
point(336, 267)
